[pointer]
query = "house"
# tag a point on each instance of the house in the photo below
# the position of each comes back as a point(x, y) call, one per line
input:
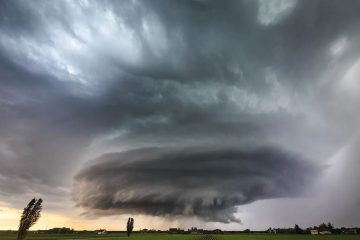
point(271, 230)
point(314, 232)
point(324, 230)
point(101, 231)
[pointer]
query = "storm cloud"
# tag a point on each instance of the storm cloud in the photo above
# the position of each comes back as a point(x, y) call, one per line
point(205, 183)
point(265, 91)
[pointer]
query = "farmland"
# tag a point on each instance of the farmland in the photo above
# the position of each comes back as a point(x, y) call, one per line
point(165, 236)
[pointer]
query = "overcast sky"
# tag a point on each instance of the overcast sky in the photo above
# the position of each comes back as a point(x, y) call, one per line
point(229, 114)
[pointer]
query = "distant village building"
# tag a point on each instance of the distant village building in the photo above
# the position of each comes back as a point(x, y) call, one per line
point(271, 230)
point(101, 231)
point(350, 230)
point(321, 230)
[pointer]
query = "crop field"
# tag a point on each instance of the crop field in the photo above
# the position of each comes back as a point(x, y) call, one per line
point(165, 236)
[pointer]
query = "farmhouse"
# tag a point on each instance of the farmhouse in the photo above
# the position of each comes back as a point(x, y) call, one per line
point(101, 231)
point(314, 232)
point(321, 230)
point(271, 230)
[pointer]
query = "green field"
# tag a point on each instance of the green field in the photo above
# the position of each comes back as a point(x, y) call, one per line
point(165, 236)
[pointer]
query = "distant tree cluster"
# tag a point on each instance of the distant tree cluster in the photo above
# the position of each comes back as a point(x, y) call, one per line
point(321, 229)
point(62, 230)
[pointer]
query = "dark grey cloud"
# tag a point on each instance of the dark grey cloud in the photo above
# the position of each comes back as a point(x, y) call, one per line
point(206, 183)
point(81, 79)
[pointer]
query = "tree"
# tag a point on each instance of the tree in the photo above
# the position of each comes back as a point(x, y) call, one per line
point(29, 217)
point(330, 227)
point(130, 226)
point(323, 225)
point(297, 229)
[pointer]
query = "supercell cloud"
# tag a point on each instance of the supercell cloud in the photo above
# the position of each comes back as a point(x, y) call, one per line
point(190, 108)
point(205, 183)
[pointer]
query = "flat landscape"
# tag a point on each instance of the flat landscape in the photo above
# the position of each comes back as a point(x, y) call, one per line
point(179, 119)
point(165, 236)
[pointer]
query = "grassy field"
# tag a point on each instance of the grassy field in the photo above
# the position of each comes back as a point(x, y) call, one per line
point(164, 236)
